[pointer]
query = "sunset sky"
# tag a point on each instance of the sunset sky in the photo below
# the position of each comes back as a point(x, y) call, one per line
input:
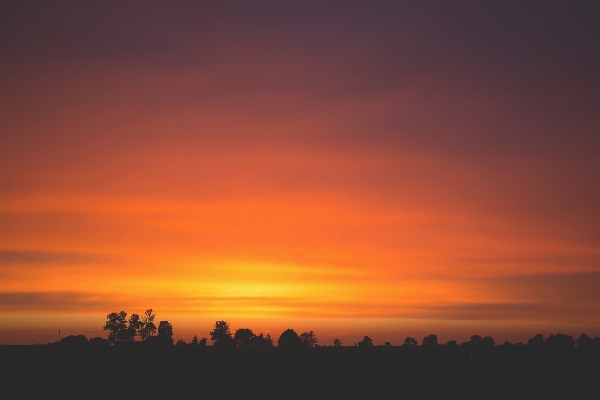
point(388, 169)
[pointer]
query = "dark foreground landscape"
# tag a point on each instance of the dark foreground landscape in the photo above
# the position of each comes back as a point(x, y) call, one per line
point(139, 372)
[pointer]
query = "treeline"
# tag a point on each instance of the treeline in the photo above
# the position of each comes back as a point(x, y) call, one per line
point(123, 329)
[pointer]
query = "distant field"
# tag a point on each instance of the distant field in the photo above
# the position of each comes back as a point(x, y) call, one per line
point(138, 372)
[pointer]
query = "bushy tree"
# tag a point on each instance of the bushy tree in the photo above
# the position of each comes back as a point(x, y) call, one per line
point(475, 340)
point(488, 341)
point(203, 342)
point(98, 341)
point(560, 341)
point(262, 341)
point(430, 340)
point(221, 335)
point(244, 337)
point(147, 327)
point(585, 341)
point(115, 323)
point(410, 342)
point(366, 342)
point(308, 339)
point(135, 324)
point(165, 333)
point(451, 343)
point(74, 340)
point(337, 343)
point(536, 341)
point(289, 338)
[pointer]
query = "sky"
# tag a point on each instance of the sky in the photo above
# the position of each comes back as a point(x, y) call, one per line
point(388, 169)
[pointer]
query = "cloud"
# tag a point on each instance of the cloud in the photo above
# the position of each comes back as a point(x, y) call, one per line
point(55, 303)
point(15, 257)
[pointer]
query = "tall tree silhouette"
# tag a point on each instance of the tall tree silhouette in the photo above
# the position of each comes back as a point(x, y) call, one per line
point(115, 323)
point(165, 333)
point(221, 336)
point(135, 324)
point(147, 327)
point(308, 339)
point(337, 343)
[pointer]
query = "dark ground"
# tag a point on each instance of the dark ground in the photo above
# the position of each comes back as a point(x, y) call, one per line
point(60, 372)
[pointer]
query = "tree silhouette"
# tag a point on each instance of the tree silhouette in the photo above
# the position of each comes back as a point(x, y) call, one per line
point(147, 327)
point(165, 333)
point(585, 341)
point(135, 324)
point(203, 342)
point(337, 343)
point(262, 341)
point(289, 338)
point(536, 341)
point(430, 340)
point(560, 341)
point(488, 341)
point(243, 337)
point(194, 341)
point(308, 339)
point(74, 340)
point(451, 343)
point(410, 342)
point(98, 341)
point(475, 340)
point(221, 336)
point(115, 323)
point(366, 342)
point(180, 343)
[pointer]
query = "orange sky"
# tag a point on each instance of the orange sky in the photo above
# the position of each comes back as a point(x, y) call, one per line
point(384, 170)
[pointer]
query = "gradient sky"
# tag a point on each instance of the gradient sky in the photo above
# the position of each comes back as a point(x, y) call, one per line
point(352, 168)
